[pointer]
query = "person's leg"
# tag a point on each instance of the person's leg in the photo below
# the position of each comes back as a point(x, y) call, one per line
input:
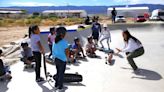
point(114, 17)
point(101, 42)
point(134, 54)
point(61, 73)
point(50, 46)
point(108, 42)
point(57, 72)
point(37, 57)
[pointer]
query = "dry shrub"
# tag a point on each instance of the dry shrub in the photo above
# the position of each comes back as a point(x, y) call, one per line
point(20, 22)
point(47, 22)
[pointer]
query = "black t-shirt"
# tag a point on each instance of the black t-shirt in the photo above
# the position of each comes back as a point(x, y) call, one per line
point(114, 12)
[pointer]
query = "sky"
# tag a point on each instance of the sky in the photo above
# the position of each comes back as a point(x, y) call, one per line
point(6, 3)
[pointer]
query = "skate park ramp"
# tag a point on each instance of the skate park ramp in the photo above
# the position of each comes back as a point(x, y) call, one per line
point(99, 77)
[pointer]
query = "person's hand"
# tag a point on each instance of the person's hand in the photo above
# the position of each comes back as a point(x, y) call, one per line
point(118, 50)
point(42, 51)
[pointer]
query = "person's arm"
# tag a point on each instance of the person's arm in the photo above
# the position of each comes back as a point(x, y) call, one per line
point(40, 47)
point(109, 35)
point(67, 52)
point(100, 27)
point(49, 39)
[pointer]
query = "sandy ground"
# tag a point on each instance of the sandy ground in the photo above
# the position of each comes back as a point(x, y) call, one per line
point(11, 34)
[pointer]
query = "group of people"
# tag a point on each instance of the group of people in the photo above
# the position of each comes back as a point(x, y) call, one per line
point(61, 51)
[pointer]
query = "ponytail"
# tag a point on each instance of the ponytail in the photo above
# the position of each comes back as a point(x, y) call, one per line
point(32, 29)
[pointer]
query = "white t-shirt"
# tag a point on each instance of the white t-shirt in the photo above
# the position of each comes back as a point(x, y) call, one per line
point(35, 38)
point(131, 46)
point(105, 33)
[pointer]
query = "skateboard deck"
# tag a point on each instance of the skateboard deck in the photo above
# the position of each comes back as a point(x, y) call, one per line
point(70, 77)
point(49, 60)
point(106, 50)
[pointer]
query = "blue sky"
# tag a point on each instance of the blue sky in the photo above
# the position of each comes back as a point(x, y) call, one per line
point(4, 3)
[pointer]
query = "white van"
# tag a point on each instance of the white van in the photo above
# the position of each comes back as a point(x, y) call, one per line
point(157, 14)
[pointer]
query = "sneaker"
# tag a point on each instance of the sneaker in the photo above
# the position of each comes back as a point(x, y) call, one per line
point(62, 89)
point(137, 71)
point(40, 79)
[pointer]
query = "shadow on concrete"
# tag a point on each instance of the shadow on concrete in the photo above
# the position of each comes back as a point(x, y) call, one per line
point(44, 88)
point(3, 86)
point(74, 84)
point(145, 74)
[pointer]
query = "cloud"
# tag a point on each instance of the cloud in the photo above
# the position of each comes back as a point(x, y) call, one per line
point(31, 4)
point(141, 1)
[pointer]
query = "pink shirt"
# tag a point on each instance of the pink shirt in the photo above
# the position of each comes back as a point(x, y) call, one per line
point(52, 38)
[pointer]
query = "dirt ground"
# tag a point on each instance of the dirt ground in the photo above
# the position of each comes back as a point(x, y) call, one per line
point(10, 34)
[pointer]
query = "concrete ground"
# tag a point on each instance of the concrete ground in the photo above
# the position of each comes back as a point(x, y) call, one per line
point(99, 77)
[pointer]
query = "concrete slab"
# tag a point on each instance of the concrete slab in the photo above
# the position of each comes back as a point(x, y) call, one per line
point(99, 77)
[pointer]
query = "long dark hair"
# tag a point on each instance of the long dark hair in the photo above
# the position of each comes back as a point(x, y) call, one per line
point(59, 32)
point(52, 29)
point(31, 30)
point(130, 36)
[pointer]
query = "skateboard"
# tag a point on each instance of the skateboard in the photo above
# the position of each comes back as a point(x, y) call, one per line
point(49, 60)
point(106, 50)
point(31, 66)
point(70, 77)
point(47, 74)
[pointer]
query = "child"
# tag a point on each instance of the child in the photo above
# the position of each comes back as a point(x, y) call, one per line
point(60, 53)
point(90, 47)
point(77, 48)
point(37, 49)
point(4, 70)
point(109, 58)
point(96, 29)
point(71, 58)
point(105, 34)
point(27, 54)
point(51, 38)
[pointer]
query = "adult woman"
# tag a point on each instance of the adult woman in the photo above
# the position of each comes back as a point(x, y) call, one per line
point(133, 48)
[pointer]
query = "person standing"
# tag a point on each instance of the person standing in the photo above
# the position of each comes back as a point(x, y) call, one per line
point(96, 29)
point(37, 49)
point(105, 35)
point(51, 38)
point(133, 48)
point(114, 13)
point(60, 52)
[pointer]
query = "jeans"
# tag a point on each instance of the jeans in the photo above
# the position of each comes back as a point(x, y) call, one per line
point(134, 54)
point(60, 67)
point(50, 46)
point(37, 57)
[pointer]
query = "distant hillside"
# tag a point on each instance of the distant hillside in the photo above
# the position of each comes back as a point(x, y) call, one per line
point(89, 9)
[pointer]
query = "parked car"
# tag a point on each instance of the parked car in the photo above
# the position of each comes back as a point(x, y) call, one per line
point(120, 19)
point(140, 19)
